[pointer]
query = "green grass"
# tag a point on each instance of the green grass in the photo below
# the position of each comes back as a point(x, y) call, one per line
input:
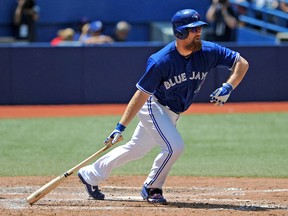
point(252, 145)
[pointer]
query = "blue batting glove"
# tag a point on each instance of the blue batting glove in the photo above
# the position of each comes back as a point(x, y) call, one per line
point(221, 95)
point(116, 134)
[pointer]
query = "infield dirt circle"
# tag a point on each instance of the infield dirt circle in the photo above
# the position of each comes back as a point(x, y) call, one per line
point(185, 195)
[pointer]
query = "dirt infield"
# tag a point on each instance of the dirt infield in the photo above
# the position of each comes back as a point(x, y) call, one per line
point(112, 109)
point(185, 195)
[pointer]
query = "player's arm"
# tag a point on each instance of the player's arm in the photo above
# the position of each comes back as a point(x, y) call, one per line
point(133, 107)
point(238, 73)
point(221, 95)
point(146, 86)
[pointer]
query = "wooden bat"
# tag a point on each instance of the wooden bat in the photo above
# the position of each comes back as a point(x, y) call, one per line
point(47, 188)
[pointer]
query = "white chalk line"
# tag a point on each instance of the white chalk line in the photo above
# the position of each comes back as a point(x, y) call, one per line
point(20, 203)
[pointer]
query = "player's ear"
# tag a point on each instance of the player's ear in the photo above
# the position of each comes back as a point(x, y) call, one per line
point(181, 33)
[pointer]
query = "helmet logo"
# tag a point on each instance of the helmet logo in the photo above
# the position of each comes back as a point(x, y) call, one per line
point(196, 16)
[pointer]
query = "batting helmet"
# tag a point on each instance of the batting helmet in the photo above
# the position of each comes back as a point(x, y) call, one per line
point(183, 20)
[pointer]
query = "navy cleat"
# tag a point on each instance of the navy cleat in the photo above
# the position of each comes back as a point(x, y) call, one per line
point(153, 195)
point(93, 191)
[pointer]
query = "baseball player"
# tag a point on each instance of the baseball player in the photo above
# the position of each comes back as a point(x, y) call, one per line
point(174, 75)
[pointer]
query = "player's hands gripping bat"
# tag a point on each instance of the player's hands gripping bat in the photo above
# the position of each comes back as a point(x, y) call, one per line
point(116, 134)
point(221, 95)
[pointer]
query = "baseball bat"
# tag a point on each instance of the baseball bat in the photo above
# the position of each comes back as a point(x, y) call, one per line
point(47, 188)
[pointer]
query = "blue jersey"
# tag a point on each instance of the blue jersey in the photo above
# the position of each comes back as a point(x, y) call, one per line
point(174, 80)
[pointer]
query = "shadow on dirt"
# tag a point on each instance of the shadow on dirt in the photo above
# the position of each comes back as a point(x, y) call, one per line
point(179, 205)
point(222, 206)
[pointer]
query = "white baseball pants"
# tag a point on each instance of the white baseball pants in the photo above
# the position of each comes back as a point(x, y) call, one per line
point(157, 126)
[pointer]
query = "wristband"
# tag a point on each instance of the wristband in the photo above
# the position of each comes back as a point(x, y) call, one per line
point(120, 127)
point(228, 86)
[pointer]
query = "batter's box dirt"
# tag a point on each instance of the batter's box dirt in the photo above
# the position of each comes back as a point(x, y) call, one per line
point(185, 195)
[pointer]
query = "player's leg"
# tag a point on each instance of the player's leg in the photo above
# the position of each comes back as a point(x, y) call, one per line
point(139, 145)
point(161, 125)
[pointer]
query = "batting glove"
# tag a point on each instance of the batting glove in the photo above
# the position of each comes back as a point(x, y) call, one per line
point(221, 95)
point(116, 134)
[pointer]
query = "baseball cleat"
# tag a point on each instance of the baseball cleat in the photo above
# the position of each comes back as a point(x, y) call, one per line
point(93, 191)
point(153, 195)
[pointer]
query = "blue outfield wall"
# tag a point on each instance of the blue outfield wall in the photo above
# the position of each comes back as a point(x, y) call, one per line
point(108, 74)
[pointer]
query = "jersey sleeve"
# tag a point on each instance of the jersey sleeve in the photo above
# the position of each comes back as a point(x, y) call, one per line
point(226, 57)
point(151, 79)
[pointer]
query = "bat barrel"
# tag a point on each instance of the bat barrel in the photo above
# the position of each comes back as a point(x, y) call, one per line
point(58, 180)
point(45, 189)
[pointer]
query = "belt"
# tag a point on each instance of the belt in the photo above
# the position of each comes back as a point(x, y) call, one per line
point(178, 113)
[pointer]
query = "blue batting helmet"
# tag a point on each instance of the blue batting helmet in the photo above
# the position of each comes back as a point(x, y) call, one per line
point(183, 20)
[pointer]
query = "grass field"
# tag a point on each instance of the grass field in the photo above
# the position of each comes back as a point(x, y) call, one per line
point(252, 145)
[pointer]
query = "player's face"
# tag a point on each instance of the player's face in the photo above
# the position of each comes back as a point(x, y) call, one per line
point(194, 42)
